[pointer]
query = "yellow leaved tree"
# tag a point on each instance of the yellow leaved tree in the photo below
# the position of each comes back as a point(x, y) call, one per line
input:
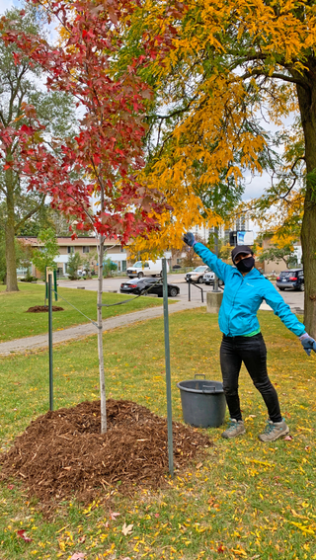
point(218, 69)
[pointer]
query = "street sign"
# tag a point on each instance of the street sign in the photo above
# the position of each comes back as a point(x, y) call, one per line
point(241, 238)
point(245, 238)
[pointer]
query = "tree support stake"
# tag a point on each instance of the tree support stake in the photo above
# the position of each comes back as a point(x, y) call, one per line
point(168, 370)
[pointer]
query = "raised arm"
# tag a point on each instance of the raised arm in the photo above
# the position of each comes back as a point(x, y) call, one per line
point(219, 267)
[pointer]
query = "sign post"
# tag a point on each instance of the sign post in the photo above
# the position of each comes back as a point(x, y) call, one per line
point(168, 370)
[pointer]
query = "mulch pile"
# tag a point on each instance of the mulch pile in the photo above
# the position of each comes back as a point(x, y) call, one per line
point(62, 453)
point(43, 308)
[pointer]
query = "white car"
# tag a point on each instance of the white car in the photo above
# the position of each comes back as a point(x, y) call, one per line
point(148, 268)
point(197, 274)
point(209, 278)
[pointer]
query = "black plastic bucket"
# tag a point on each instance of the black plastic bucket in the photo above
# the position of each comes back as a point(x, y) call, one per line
point(203, 402)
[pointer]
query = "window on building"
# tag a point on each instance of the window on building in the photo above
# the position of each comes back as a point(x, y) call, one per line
point(70, 250)
point(86, 249)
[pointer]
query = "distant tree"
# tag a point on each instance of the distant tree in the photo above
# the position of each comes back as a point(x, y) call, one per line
point(44, 257)
point(108, 267)
point(3, 264)
point(276, 254)
point(223, 247)
point(88, 261)
point(20, 87)
point(73, 264)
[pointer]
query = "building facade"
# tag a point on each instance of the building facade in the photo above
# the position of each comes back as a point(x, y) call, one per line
point(85, 246)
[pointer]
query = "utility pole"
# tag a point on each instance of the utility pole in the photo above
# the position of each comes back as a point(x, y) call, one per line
point(215, 285)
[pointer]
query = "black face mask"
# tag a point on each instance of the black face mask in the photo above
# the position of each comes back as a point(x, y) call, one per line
point(245, 265)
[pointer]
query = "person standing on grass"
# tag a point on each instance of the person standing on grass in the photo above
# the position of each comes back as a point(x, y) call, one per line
point(245, 289)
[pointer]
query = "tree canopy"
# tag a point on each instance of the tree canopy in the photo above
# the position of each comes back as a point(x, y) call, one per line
point(24, 101)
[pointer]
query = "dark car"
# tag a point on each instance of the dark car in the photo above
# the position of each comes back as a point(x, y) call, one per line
point(148, 285)
point(293, 279)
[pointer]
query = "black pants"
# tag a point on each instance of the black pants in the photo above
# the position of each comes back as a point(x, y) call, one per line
point(252, 351)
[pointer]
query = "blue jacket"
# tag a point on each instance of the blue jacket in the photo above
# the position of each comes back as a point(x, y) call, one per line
point(243, 296)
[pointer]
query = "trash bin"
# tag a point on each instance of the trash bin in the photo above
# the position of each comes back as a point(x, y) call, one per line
point(203, 402)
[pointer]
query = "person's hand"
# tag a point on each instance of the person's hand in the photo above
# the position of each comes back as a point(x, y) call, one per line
point(308, 343)
point(189, 239)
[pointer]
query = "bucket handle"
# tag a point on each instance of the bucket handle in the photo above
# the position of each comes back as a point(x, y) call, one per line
point(199, 375)
point(209, 387)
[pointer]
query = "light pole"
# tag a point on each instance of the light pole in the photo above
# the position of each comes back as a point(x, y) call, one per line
point(215, 284)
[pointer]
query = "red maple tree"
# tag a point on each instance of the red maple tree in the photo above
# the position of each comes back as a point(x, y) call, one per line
point(102, 161)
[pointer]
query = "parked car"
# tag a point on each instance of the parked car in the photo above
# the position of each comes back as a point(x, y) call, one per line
point(293, 278)
point(148, 285)
point(209, 277)
point(148, 268)
point(197, 274)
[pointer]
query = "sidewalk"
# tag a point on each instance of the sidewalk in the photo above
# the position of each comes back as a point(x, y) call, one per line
point(41, 340)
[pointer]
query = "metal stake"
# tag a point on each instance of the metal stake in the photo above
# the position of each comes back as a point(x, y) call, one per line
point(50, 340)
point(167, 359)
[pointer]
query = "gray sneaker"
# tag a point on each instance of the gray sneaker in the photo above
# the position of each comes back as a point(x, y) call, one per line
point(235, 428)
point(274, 430)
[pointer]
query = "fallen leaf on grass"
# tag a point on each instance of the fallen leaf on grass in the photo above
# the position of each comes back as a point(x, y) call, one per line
point(77, 556)
point(221, 548)
point(22, 535)
point(288, 438)
point(127, 529)
point(114, 514)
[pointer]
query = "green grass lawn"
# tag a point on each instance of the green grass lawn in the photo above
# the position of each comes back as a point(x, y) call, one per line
point(245, 500)
point(16, 323)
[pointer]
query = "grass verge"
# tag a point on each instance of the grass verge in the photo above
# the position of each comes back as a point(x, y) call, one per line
point(16, 323)
point(246, 500)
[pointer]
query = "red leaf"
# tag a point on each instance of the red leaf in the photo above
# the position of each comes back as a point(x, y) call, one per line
point(22, 535)
point(29, 131)
point(221, 548)
point(16, 58)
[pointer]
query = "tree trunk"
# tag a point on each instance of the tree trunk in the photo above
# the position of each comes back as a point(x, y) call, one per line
point(12, 280)
point(307, 104)
point(100, 339)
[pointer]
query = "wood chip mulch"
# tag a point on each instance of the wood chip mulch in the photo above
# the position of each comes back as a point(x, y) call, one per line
point(62, 453)
point(43, 309)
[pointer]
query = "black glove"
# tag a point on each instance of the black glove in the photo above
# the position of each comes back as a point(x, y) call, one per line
point(188, 238)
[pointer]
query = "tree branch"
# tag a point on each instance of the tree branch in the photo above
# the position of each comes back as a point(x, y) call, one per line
point(175, 113)
point(30, 214)
point(277, 75)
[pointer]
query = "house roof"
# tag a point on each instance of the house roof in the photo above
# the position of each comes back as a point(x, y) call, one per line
point(68, 242)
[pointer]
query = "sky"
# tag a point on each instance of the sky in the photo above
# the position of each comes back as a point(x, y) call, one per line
point(6, 4)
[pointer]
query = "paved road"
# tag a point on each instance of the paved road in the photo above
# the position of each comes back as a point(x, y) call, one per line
point(294, 299)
